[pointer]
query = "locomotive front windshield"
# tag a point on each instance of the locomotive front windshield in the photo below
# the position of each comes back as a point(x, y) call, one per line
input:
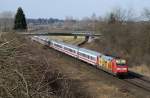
point(121, 62)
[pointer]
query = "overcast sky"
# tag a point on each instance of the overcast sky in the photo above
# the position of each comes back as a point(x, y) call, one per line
point(75, 8)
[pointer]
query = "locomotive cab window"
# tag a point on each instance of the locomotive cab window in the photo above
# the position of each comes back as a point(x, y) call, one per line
point(120, 62)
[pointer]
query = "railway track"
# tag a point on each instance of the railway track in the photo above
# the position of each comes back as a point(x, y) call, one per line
point(138, 80)
point(134, 79)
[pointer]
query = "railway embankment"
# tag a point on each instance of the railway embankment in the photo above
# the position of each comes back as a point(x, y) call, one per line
point(29, 69)
point(26, 71)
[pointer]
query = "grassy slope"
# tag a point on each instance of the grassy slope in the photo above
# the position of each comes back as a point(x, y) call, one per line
point(19, 71)
point(25, 72)
point(29, 69)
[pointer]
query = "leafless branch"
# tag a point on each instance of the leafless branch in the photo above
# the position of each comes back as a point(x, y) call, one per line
point(43, 74)
point(25, 82)
point(7, 91)
point(1, 45)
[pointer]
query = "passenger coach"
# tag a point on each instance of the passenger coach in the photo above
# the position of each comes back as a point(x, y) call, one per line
point(108, 63)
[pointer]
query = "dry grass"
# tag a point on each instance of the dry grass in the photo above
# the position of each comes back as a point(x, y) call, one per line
point(16, 68)
point(143, 69)
point(23, 70)
point(26, 71)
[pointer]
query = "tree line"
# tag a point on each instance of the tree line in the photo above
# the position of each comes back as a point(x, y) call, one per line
point(118, 15)
point(126, 37)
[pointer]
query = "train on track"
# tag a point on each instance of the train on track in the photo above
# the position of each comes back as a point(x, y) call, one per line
point(114, 65)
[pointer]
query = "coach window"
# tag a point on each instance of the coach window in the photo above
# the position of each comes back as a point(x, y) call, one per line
point(86, 56)
point(74, 51)
point(92, 58)
point(49, 42)
point(70, 50)
point(65, 48)
point(59, 46)
point(79, 53)
point(83, 55)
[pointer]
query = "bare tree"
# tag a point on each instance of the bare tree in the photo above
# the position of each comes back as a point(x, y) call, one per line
point(6, 21)
point(119, 15)
point(94, 20)
point(69, 22)
point(146, 14)
point(130, 15)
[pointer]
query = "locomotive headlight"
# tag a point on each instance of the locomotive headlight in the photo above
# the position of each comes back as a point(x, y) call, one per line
point(118, 68)
point(117, 61)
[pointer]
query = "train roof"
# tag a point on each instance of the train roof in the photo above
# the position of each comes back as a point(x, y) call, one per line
point(59, 42)
point(83, 50)
point(107, 57)
point(67, 45)
point(87, 51)
point(72, 46)
point(44, 37)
